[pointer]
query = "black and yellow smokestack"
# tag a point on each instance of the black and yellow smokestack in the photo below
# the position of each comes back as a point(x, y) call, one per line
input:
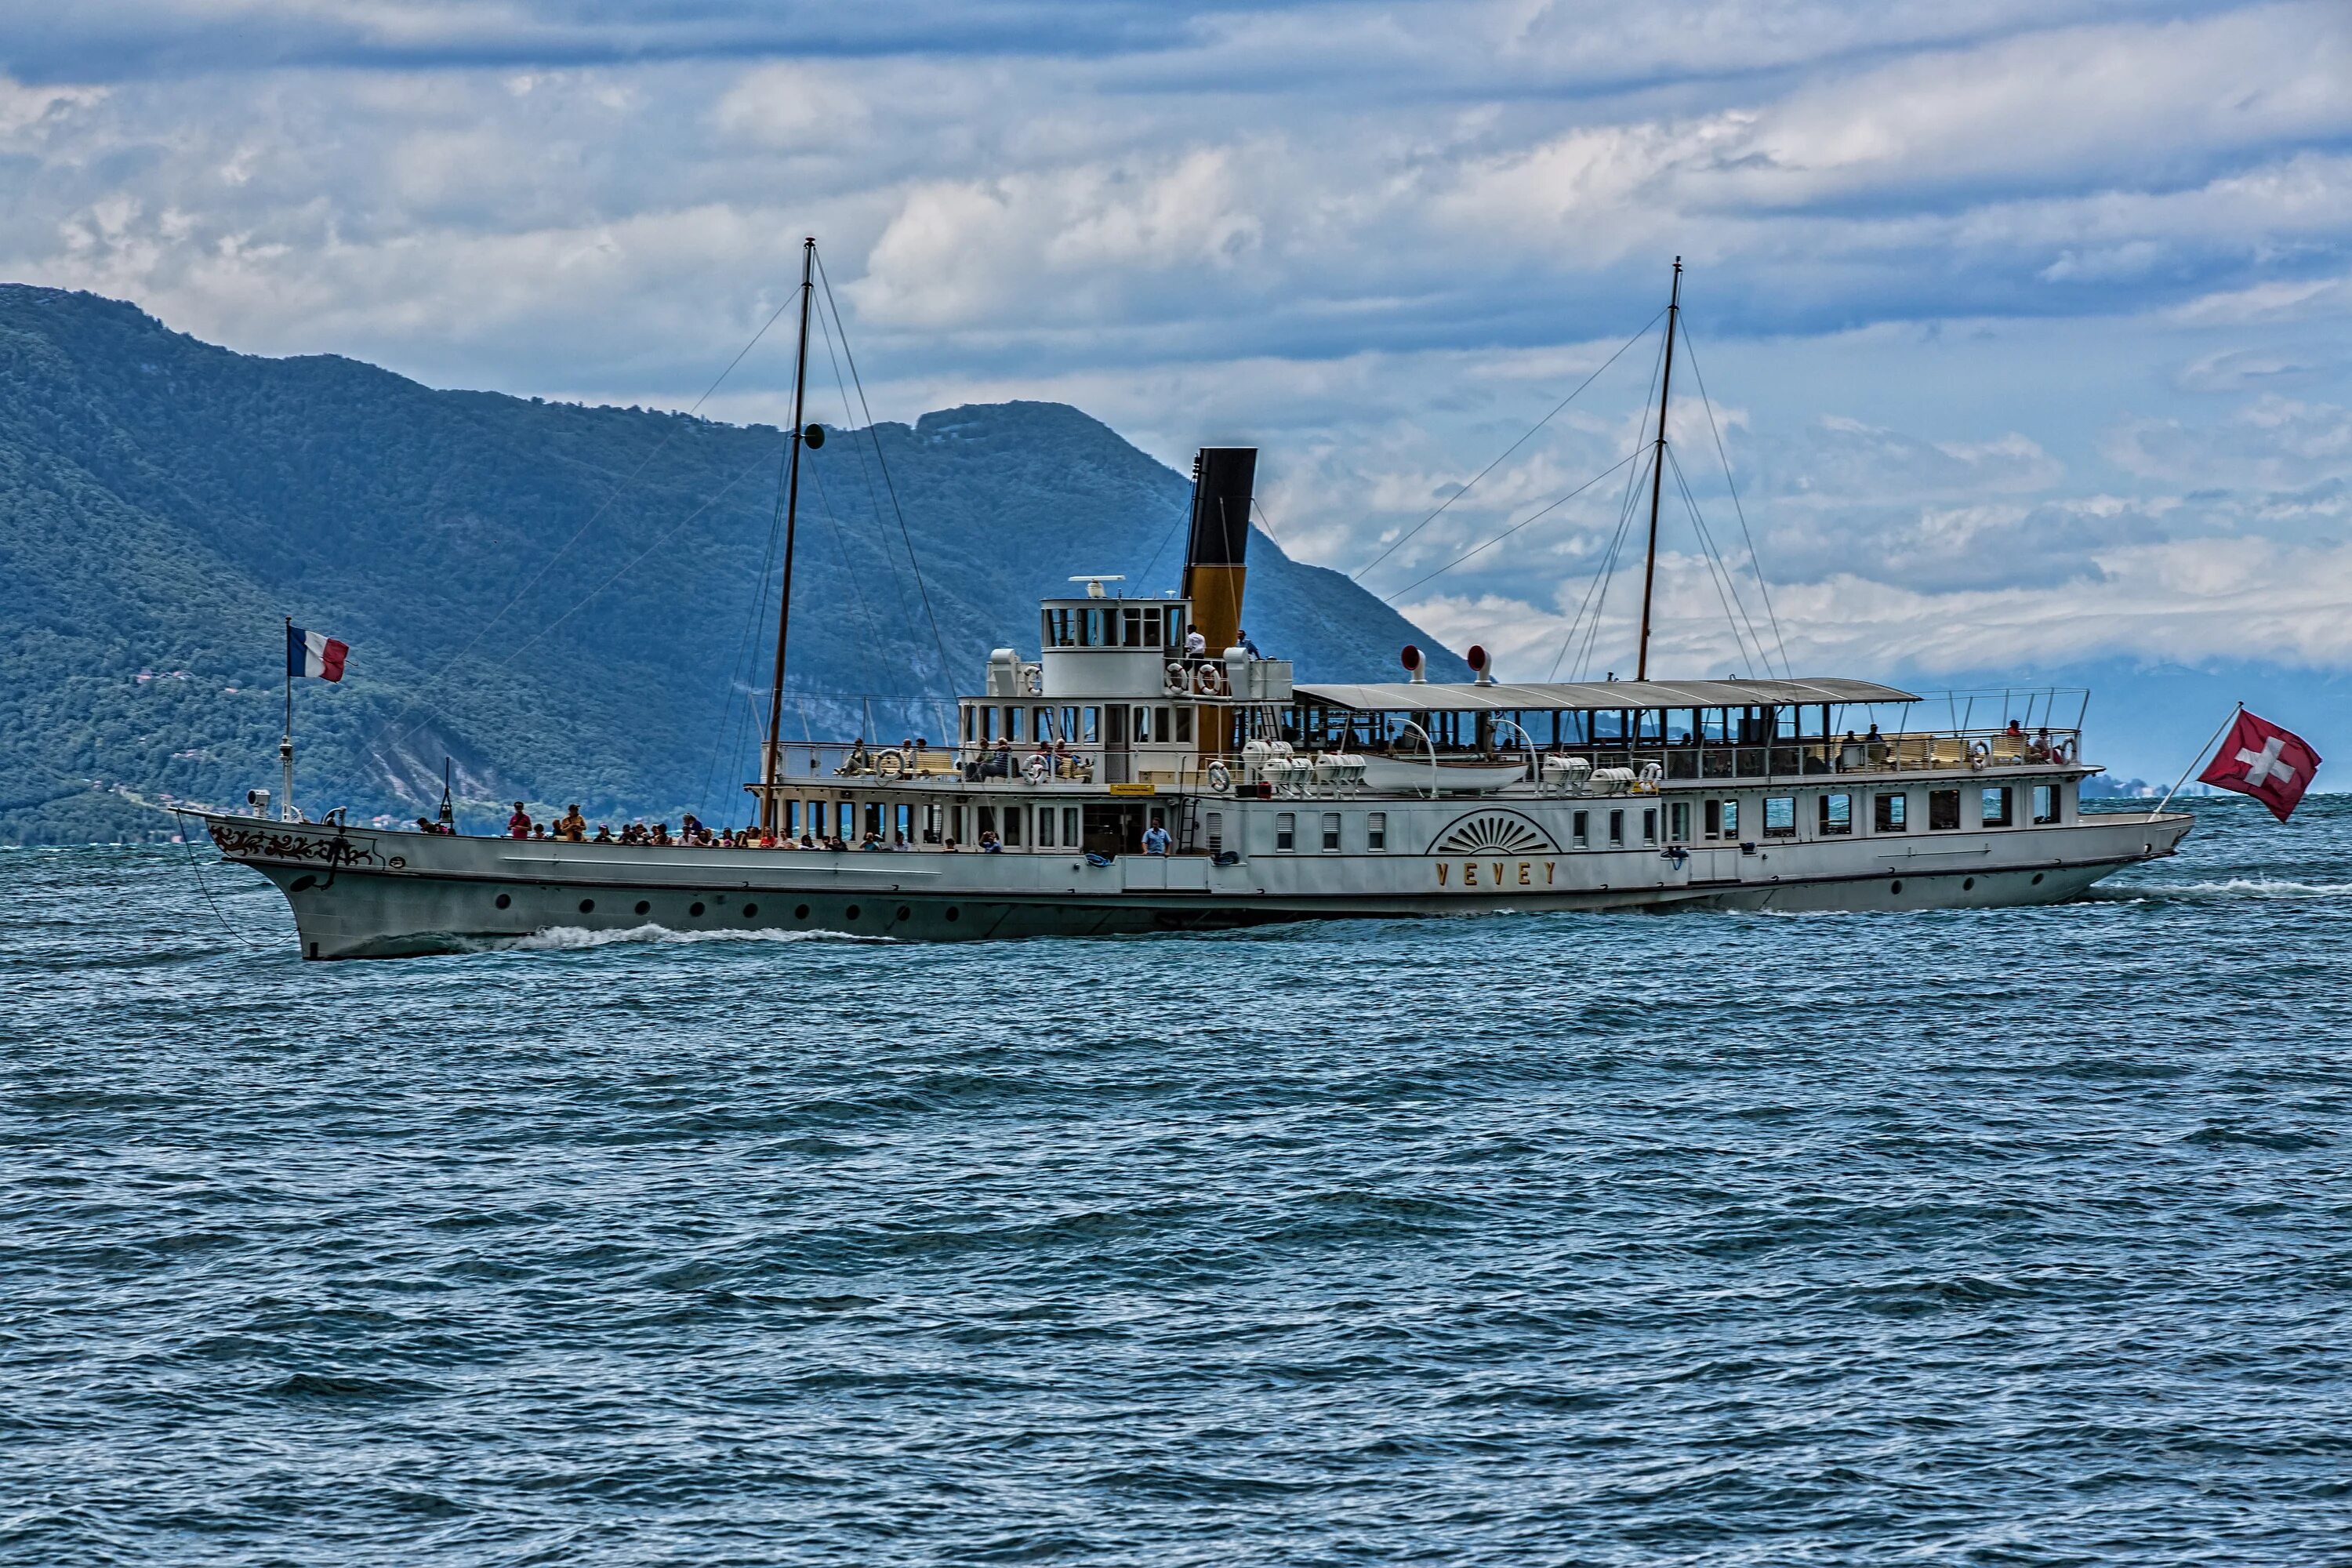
point(1215, 561)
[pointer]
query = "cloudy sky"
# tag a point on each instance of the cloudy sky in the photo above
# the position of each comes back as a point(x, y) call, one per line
point(2025, 322)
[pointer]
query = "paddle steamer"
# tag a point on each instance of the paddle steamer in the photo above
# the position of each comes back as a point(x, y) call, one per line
point(1116, 782)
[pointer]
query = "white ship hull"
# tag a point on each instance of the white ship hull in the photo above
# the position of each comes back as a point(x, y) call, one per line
point(368, 893)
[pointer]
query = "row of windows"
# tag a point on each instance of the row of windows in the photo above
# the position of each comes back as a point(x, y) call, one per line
point(987, 723)
point(1285, 831)
point(1114, 626)
point(1890, 813)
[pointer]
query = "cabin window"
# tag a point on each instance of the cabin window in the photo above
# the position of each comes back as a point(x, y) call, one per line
point(1070, 824)
point(1330, 830)
point(792, 819)
point(1093, 726)
point(987, 820)
point(1139, 725)
point(1650, 825)
point(987, 725)
point(1616, 828)
point(1163, 730)
point(1014, 726)
point(1012, 815)
point(1837, 815)
point(1779, 816)
point(1185, 726)
point(1679, 822)
point(2045, 804)
point(1151, 633)
point(1042, 723)
point(1285, 831)
point(1045, 828)
point(1580, 829)
point(1216, 831)
point(1376, 831)
point(1943, 809)
point(1890, 813)
point(967, 722)
point(1997, 807)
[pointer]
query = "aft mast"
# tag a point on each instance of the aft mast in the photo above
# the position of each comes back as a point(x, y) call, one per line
point(774, 761)
point(1658, 474)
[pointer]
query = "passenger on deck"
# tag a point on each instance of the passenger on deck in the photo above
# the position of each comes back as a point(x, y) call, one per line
point(661, 833)
point(424, 825)
point(872, 840)
point(1196, 642)
point(989, 843)
point(604, 834)
point(1242, 639)
point(573, 826)
point(949, 843)
point(2039, 750)
point(1155, 840)
point(519, 824)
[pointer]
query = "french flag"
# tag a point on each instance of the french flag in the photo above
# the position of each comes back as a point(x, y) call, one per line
point(314, 654)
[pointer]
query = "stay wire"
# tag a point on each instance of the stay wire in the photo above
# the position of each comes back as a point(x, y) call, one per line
point(1624, 516)
point(947, 670)
point(1536, 517)
point(1763, 657)
point(1755, 559)
point(515, 652)
point(202, 887)
point(1718, 575)
point(548, 565)
point(872, 498)
point(1514, 447)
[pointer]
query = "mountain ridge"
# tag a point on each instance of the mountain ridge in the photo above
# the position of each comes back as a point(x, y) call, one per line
point(564, 600)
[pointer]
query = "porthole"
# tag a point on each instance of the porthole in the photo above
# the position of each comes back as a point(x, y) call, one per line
point(302, 884)
point(799, 911)
point(853, 912)
point(587, 906)
point(750, 911)
point(1967, 884)
point(951, 911)
point(904, 911)
point(2037, 879)
point(504, 899)
point(1896, 887)
point(694, 909)
point(644, 907)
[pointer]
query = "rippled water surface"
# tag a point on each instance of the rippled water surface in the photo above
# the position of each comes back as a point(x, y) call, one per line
point(2018, 1236)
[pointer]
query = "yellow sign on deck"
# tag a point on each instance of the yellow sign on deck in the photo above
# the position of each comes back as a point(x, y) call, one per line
point(1134, 789)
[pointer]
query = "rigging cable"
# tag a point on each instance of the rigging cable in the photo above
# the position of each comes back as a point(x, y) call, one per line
point(1514, 447)
point(1755, 560)
point(1719, 575)
point(1628, 458)
point(947, 671)
point(627, 567)
point(1624, 513)
point(677, 424)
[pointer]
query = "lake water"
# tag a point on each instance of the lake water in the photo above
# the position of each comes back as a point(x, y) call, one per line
point(2015, 1237)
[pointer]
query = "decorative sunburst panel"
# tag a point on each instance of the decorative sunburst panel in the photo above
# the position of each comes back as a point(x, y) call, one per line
point(1492, 833)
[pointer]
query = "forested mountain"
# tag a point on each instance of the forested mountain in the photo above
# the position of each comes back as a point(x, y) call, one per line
point(566, 601)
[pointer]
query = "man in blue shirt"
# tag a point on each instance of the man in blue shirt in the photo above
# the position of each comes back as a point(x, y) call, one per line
point(1155, 840)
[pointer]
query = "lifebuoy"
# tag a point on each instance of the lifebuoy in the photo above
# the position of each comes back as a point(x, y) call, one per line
point(1033, 680)
point(2064, 751)
point(890, 763)
point(1210, 681)
point(1039, 771)
point(1175, 685)
point(1978, 756)
point(1221, 778)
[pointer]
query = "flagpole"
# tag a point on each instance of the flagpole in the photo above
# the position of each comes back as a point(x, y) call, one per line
point(2199, 757)
point(286, 741)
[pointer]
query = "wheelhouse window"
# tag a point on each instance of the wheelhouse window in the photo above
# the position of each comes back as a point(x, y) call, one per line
point(1943, 810)
point(1890, 813)
point(1836, 815)
point(1285, 831)
point(1999, 806)
point(1779, 816)
point(2045, 804)
point(1330, 831)
point(1376, 831)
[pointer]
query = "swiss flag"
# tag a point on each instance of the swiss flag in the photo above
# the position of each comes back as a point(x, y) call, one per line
point(2262, 760)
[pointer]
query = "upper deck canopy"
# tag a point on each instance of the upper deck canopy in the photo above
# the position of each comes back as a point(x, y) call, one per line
point(1597, 696)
